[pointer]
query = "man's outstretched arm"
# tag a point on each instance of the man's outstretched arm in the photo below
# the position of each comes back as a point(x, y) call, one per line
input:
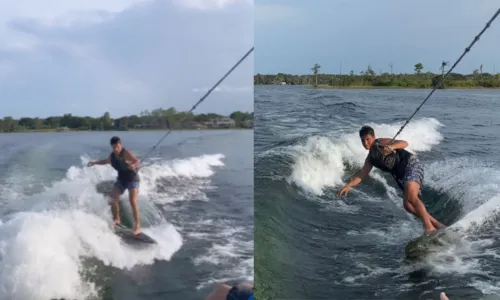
point(361, 174)
point(357, 178)
point(100, 162)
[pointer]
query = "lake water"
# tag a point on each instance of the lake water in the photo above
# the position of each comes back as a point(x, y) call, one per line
point(310, 245)
point(196, 200)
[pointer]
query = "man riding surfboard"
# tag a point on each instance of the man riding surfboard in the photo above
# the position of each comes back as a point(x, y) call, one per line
point(403, 166)
point(126, 164)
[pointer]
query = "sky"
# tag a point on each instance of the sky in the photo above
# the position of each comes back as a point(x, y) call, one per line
point(292, 35)
point(86, 57)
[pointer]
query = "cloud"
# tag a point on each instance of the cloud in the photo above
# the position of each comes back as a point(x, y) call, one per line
point(15, 14)
point(122, 56)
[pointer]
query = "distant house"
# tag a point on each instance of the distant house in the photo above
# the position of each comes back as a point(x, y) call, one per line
point(248, 123)
point(151, 124)
point(225, 122)
point(221, 122)
point(195, 125)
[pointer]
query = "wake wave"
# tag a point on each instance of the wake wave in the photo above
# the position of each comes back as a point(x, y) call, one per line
point(44, 244)
point(319, 163)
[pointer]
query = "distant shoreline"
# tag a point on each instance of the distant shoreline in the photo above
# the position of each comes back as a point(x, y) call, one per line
point(157, 119)
point(368, 79)
point(135, 129)
point(396, 88)
point(368, 87)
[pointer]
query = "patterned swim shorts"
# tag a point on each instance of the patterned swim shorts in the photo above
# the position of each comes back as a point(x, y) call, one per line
point(414, 172)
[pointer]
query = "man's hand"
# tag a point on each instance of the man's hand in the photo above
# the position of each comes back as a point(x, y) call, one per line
point(99, 162)
point(135, 165)
point(343, 191)
point(388, 150)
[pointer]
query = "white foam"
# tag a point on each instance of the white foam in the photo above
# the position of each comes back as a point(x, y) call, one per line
point(191, 173)
point(473, 184)
point(314, 162)
point(228, 249)
point(319, 162)
point(42, 248)
point(480, 215)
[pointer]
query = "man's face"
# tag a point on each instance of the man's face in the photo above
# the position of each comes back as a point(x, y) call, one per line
point(367, 141)
point(117, 148)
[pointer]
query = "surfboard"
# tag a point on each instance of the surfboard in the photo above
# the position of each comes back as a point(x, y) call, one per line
point(431, 243)
point(127, 234)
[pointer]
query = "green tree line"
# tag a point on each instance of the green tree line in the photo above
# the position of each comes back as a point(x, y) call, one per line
point(155, 119)
point(369, 78)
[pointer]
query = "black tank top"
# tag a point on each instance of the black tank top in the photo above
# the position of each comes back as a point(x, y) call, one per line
point(125, 172)
point(394, 163)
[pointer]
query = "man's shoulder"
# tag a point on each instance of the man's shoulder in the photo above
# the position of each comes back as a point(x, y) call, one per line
point(127, 152)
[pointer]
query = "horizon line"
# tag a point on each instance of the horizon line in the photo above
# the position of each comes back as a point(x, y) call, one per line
point(115, 118)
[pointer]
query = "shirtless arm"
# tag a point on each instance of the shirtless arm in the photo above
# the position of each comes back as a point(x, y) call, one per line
point(361, 174)
point(357, 178)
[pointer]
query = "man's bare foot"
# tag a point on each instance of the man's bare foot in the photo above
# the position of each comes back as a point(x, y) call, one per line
point(437, 224)
point(116, 222)
point(442, 296)
point(137, 231)
point(428, 230)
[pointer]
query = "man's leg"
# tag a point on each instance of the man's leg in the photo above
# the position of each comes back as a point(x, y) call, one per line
point(412, 183)
point(409, 208)
point(115, 198)
point(133, 193)
point(411, 196)
point(219, 293)
point(225, 292)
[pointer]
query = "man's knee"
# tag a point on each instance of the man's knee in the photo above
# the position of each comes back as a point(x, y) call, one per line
point(413, 200)
point(115, 194)
point(411, 189)
point(219, 293)
point(407, 206)
point(132, 194)
point(239, 292)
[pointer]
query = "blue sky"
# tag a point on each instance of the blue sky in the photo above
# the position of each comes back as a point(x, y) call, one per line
point(123, 56)
point(292, 35)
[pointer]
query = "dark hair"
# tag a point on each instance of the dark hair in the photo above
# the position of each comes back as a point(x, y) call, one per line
point(366, 130)
point(115, 140)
